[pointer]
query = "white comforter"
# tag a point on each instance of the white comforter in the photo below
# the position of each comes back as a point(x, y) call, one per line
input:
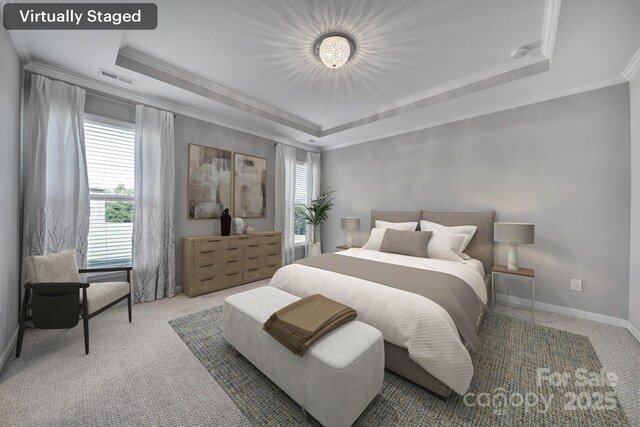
point(405, 319)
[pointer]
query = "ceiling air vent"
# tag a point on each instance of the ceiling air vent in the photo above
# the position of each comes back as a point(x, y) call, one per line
point(116, 76)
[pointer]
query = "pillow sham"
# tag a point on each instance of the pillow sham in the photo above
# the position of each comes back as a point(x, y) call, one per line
point(411, 243)
point(375, 239)
point(404, 226)
point(467, 230)
point(445, 246)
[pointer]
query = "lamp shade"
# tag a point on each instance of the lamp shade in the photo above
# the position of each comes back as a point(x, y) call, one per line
point(513, 233)
point(350, 223)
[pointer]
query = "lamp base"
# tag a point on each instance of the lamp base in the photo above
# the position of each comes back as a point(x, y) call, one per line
point(512, 258)
point(349, 243)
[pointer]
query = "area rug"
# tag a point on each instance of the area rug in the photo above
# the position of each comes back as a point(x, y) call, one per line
point(525, 375)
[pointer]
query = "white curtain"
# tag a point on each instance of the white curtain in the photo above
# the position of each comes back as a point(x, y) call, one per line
point(285, 190)
point(56, 186)
point(313, 189)
point(154, 217)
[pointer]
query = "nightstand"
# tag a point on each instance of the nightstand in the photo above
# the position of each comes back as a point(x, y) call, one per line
point(521, 272)
point(345, 247)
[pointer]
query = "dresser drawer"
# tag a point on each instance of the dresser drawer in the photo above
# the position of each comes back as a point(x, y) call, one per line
point(210, 257)
point(210, 245)
point(222, 281)
point(251, 275)
point(260, 249)
point(241, 241)
point(261, 261)
point(217, 267)
point(270, 238)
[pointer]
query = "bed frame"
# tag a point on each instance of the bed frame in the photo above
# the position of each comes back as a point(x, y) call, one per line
point(397, 358)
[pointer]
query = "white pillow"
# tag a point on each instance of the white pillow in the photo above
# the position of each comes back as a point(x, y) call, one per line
point(403, 226)
point(375, 239)
point(445, 246)
point(467, 230)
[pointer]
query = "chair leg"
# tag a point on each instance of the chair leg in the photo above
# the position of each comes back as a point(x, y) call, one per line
point(85, 321)
point(23, 321)
point(129, 305)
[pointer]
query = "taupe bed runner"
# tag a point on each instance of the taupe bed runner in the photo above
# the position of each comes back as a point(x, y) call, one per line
point(448, 291)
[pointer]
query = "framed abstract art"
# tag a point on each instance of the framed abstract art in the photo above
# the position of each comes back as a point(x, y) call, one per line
point(250, 186)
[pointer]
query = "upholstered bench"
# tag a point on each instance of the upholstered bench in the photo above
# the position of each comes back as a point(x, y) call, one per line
point(335, 380)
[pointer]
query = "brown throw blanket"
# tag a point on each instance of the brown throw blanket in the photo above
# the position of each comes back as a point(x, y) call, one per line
point(301, 323)
point(448, 291)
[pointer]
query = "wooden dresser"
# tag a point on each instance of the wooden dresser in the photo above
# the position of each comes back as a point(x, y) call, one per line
point(211, 263)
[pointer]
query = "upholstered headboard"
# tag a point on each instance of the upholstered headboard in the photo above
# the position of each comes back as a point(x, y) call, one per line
point(480, 247)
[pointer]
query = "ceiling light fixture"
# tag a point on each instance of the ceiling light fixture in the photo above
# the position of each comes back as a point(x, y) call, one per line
point(334, 49)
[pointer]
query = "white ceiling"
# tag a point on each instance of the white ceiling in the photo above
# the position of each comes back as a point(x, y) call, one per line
point(249, 64)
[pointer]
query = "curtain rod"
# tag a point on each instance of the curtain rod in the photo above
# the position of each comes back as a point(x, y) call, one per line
point(99, 94)
point(275, 144)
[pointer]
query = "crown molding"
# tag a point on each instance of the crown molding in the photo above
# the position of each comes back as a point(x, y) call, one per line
point(632, 67)
point(167, 73)
point(550, 27)
point(532, 100)
point(118, 93)
point(485, 79)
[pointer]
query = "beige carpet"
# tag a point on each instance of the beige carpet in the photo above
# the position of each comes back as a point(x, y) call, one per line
point(143, 374)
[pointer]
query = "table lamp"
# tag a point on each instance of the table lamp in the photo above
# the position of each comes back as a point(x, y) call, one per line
point(349, 224)
point(513, 234)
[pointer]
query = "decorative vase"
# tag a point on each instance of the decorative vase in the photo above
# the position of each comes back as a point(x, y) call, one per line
point(314, 250)
point(225, 223)
point(238, 225)
point(248, 229)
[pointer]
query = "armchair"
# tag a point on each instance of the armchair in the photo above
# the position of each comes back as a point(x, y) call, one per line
point(55, 298)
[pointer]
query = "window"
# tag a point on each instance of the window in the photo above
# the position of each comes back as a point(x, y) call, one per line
point(299, 200)
point(110, 148)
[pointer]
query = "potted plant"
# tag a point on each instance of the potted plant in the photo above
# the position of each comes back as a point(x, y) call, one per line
point(315, 215)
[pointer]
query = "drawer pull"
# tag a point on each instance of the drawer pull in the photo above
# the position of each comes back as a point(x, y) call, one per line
point(233, 249)
point(272, 265)
point(232, 274)
point(206, 252)
point(254, 257)
point(207, 266)
point(231, 262)
point(253, 246)
point(253, 269)
point(213, 241)
point(206, 280)
point(272, 255)
point(272, 244)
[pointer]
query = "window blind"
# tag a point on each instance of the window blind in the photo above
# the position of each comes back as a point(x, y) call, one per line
point(300, 199)
point(110, 150)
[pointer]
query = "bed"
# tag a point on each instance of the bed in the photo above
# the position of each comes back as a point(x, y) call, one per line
point(422, 341)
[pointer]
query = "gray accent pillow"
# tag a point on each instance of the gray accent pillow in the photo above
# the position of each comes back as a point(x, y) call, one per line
point(412, 243)
point(54, 268)
point(481, 246)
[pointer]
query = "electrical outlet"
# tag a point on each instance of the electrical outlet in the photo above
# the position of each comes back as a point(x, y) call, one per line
point(576, 285)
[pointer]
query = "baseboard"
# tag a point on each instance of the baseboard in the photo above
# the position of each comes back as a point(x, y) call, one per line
point(7, 351)
point(634, 331)
point(580, 314)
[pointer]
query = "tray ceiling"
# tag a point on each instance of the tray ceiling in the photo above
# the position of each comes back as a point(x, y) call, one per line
point(249, 63)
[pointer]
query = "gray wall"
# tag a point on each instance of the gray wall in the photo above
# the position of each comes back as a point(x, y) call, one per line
point(561, 164)
point(11, 72)
point(634, 271)
point(193, 131)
